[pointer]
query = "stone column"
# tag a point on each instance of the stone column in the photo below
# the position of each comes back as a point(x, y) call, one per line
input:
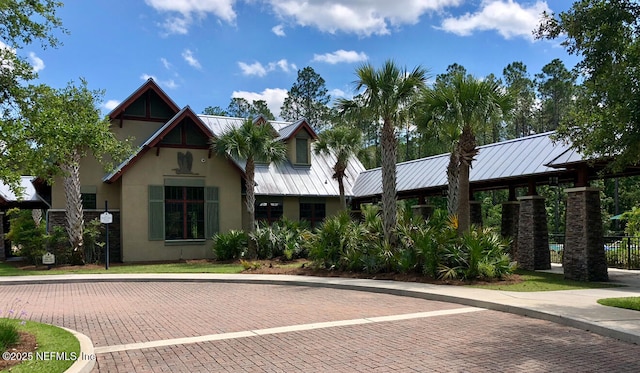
point(3, 256)
point(584, 256)
point(424, 211)
point(475, 209)
point(509, 226)
point(533, 234)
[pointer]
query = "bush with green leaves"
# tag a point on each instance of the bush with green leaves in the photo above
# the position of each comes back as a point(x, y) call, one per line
point(431, 247)
point(93, 247)
point(478, 253)
point(29, 238)
point(230, 245)
point(283, 239)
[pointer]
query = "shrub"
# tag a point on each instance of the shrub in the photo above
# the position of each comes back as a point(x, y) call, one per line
point(479, 253)
point(93, 247)
point(284, 239)
point(26, 235)
point(331, 241)
point(230, 245)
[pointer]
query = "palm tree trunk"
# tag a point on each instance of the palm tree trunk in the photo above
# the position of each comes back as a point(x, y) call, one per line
point(74, 213)
point(468, 150)
point(453, 179)
point(250, 201)
point(389, 150)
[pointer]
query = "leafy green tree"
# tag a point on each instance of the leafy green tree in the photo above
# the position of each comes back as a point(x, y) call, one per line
point(22, 23)
point(354, 113)
point(521, 88)
point(459, 108)
point(259, 107)
point(308, 98)
point(556, 87)
point(215, 110)
point(386, 94)
point(606, 119)
point(250, 142)
point(344, 142)
point(239, 107)
point(65, 125)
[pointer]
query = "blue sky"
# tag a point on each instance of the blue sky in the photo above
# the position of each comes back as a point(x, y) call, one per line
point(203, 52)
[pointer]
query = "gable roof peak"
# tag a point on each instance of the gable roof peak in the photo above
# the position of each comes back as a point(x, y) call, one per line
point(148, 85)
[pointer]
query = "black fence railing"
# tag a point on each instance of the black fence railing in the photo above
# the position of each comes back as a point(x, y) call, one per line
point(621, 251)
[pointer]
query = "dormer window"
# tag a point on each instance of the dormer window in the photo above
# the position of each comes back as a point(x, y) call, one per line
point(302, 151)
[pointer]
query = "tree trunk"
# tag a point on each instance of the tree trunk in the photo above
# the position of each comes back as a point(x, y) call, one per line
point(250, 201)
point(468, 150)
point(453, 179)
point(389, 150)
point(339, 171)
point(74, 214)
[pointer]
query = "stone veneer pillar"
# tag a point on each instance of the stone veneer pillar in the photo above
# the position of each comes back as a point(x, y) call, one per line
point(424, 211)
point(475, 209)
point(2, 253)
point(584, 257)
point(533, 234)
point(509, 226)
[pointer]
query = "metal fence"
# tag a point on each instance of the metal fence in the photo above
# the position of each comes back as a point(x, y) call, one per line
point(621, 251)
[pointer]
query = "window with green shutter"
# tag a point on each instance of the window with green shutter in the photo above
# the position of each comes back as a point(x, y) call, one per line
point(211, 211)
point(181, 210)
point(156, 212)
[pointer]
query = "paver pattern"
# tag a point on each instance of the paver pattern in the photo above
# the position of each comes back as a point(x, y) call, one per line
point(128, 312)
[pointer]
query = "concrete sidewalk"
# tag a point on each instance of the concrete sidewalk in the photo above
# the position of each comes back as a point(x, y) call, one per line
point(575, 308)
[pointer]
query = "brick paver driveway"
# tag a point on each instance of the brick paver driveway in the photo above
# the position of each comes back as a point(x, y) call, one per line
point(426, 336)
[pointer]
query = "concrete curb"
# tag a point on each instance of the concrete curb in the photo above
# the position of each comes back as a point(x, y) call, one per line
point(87, 359)
point(374, 286)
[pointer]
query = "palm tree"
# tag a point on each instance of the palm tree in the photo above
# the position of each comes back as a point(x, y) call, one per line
point(458, 108)
point(251, 142)
point(344, 142)
point(387, 92)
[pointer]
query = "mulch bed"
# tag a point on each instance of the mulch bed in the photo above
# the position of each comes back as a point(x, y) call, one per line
point(27, 343)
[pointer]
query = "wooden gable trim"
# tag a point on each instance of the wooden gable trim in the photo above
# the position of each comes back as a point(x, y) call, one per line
point(154, 142)
point(304, 125)
point(150, 84)
point(186, 113)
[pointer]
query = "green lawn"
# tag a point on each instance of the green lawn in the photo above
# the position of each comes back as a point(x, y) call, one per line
point(51, 340)
point(189, 267)
point(543, 281)
point(630, 303)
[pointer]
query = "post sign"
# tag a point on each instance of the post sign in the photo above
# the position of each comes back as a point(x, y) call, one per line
point(48, 259)
point(106, 218)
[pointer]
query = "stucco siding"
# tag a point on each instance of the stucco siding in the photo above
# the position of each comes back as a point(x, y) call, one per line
point(154, 170)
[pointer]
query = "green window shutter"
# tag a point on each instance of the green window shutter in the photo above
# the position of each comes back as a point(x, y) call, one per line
point(211, 212)
point(156, 212)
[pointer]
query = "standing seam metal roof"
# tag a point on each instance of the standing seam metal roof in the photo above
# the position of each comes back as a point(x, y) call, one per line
point(508, 159)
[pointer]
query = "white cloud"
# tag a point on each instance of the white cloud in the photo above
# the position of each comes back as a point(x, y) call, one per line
point(340, 56)
point(259, 69)
point(255, 68)
point(338, 93)
point(165, 63)
point(278, 30)
point(182, 13)
point(36, 62)
point(363, 18)
point(170, 83)
point(191, 60)
point(273, 96)
point(111, 104)
point(508, 18)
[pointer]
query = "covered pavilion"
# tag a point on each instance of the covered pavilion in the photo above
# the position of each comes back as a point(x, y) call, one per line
point(526, 162)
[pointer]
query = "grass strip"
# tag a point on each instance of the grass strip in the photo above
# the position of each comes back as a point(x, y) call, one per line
point(57, 349)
